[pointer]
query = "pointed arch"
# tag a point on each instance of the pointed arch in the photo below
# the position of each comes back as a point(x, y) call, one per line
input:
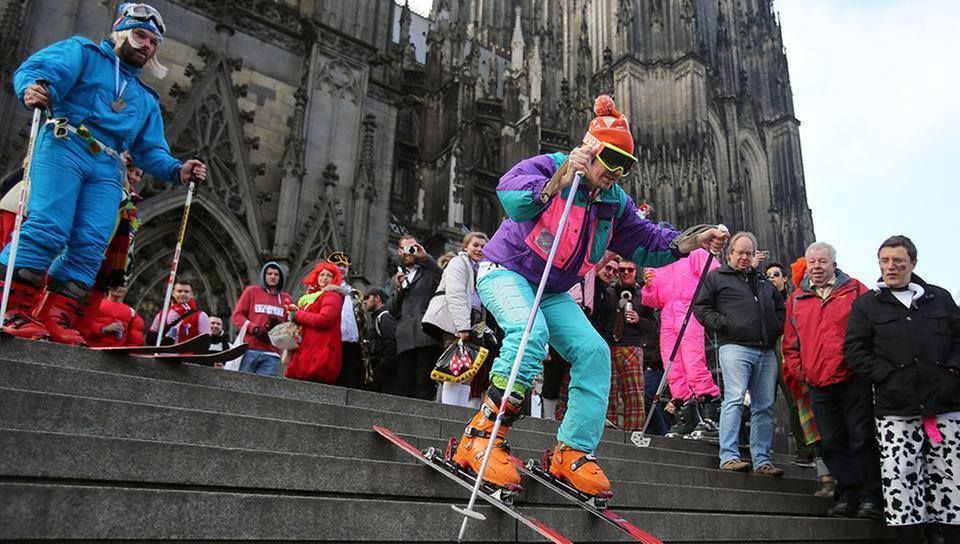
point(209, 125)
point(755, 178)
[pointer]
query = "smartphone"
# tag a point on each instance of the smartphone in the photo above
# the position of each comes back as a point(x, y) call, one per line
point(765, 253)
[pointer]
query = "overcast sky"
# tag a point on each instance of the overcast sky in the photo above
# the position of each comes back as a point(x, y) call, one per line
point(875, 86)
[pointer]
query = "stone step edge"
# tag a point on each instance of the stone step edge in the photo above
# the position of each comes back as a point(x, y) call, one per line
point(622, 436)
point(613, 436)
point(415, 440)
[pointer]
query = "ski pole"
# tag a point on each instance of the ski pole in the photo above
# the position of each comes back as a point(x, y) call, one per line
point(640, 439)
point(468, 512)
point(21, 202)
point(176, 260)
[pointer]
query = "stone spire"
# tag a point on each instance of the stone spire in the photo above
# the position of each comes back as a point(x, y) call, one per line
point(517, 44)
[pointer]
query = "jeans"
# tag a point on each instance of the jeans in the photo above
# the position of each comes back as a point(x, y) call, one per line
point(658, 422)
point(264, 363)
point(754, 369)
point(559, 320)
point(844, 414)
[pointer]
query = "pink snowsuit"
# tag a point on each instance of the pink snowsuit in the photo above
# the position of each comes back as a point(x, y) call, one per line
point(672, 291)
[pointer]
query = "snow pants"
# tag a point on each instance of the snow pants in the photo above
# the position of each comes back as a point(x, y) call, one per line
point(561, 322)
point(689, 375)
point(72, 210)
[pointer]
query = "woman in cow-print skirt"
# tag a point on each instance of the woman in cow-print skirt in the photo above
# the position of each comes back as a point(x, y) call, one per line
point(905, 337)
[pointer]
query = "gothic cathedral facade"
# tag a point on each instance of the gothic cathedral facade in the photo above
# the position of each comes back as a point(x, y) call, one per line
point(343, 124)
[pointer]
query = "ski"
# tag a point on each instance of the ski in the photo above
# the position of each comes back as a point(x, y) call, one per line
point(182, 347)
point(500, 498)
point(703, 436)
point(199, 358)
point(536, 470)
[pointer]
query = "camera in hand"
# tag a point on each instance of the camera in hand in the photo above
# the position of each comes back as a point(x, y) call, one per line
point(412, 250)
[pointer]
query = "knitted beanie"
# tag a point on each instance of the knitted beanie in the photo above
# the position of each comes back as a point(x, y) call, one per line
point(609, 126)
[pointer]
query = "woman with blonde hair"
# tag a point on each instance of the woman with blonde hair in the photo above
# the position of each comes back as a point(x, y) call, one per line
point(455, 308)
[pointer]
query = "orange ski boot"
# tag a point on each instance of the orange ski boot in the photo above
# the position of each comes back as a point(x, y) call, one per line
point(500, 471)
point(24, 292)
point(58, 309)
point(580, 470)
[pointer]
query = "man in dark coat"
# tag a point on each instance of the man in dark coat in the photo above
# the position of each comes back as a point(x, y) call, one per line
point(381, 338)
point(747, 313)
point(904, 336)
point(417, 352)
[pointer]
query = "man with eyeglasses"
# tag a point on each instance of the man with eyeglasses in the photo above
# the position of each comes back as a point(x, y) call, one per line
point(100, 109)
point(904, 338)
point(817, 314)
point(747, 314)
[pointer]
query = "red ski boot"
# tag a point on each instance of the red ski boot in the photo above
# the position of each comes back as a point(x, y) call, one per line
point(580, 470)
point(500, 471)
point(19, 319)
point(58, 311)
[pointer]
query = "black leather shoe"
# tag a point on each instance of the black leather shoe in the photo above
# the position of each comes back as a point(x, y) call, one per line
point(842, 509)
point(870, 510)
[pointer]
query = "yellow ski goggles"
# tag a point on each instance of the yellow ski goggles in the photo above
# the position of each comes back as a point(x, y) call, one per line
point(615, 160)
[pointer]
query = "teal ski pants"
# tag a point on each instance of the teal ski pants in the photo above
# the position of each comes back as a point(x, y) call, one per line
point(561, 323)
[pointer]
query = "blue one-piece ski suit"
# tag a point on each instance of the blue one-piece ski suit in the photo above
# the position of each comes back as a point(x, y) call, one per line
point(74, 192)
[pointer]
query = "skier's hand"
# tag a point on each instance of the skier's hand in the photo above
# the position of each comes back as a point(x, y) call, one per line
point(36, 96)
point(579, 160)
point(194, 170)
point(712, 240)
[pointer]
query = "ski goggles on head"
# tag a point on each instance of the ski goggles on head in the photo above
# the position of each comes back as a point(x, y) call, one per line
point(143, 12)
point(615, 159)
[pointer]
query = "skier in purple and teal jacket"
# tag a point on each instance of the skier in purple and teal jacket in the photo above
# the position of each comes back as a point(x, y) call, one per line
point(533, 194)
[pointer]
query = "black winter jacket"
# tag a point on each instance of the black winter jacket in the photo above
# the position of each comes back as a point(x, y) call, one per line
point(743, 309)
point(382, 342)
point(912, 355)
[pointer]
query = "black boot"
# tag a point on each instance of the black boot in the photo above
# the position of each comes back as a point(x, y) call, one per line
point(709, 427)
point(687, 419)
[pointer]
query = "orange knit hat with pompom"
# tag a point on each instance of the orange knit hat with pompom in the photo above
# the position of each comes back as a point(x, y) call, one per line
point(609, 125)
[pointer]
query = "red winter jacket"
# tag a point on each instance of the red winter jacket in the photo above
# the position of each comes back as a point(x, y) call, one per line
point(814, 331)
point(263, 309)
point(320, 355)
point(111, 312)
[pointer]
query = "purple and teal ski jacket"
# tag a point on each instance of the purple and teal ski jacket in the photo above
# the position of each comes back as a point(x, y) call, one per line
point(608, 222)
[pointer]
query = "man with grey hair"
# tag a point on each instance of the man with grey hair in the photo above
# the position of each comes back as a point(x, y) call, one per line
point(817, 314)
point(746, 312)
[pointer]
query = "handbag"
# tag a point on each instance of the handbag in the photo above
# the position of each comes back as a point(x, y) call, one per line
point(459, 362)
point(235, 363)
point(286, 336)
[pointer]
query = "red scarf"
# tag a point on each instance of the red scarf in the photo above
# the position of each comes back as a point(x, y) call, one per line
point(188, 327)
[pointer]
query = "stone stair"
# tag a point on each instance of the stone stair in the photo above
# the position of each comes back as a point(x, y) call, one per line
point(104, 447)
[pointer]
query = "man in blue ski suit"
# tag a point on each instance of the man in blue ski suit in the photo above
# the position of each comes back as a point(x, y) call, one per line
point(99, 109)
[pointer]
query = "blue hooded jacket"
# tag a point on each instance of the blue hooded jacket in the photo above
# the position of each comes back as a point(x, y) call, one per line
point(81, 80)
